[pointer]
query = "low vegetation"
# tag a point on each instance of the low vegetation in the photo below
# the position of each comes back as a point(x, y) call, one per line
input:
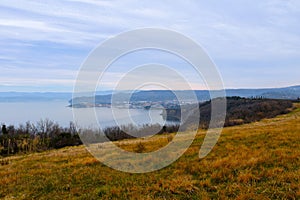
point(251, 161)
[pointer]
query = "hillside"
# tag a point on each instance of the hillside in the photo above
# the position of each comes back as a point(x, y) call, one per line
point(252, 161)
point(238, 110)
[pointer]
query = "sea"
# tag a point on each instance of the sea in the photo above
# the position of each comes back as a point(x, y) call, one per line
point(16, 113)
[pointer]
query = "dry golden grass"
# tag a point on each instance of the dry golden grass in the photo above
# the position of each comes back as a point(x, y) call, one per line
point(253, 161)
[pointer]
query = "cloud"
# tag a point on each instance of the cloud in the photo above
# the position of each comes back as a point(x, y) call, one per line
point(59, 34)
point(89, 22)
point(16, 75)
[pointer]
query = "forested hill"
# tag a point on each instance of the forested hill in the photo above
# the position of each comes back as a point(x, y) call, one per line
point(239, 110)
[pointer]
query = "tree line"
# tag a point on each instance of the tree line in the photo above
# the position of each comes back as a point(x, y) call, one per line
point(41, 136)
point(46, 135)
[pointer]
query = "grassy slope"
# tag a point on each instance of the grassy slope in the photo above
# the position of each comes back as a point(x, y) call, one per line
point(259, 160)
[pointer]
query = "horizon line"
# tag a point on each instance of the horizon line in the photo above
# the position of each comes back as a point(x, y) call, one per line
point(70, 92)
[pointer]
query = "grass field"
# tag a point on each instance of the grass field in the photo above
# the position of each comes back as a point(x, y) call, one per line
point(253, 161)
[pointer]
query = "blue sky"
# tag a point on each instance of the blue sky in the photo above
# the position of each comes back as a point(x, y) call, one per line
point(254, 44)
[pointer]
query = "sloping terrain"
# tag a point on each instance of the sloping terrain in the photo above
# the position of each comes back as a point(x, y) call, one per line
point(259, 160)
point(238, 110)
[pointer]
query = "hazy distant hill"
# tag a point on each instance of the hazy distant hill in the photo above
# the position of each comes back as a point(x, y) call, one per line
point(152, 95)
point(272, 93)
point(40, 96)
point(34, 96)
point(202, 95)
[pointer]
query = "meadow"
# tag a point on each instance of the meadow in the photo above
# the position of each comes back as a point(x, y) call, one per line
point(260, 160)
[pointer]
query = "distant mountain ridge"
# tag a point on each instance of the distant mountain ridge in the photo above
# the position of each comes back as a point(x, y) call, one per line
point(292, 93)
point(40, 96)
point(34, 96)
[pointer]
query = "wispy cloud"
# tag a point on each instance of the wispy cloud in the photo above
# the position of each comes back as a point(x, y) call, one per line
point(58, 35)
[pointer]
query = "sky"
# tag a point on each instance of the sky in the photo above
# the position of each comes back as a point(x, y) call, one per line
point(254, 44)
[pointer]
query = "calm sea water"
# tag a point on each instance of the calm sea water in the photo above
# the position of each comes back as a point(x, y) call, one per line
point(57, 111)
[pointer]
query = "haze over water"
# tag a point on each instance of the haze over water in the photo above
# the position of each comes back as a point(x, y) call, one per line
point(20, 112)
